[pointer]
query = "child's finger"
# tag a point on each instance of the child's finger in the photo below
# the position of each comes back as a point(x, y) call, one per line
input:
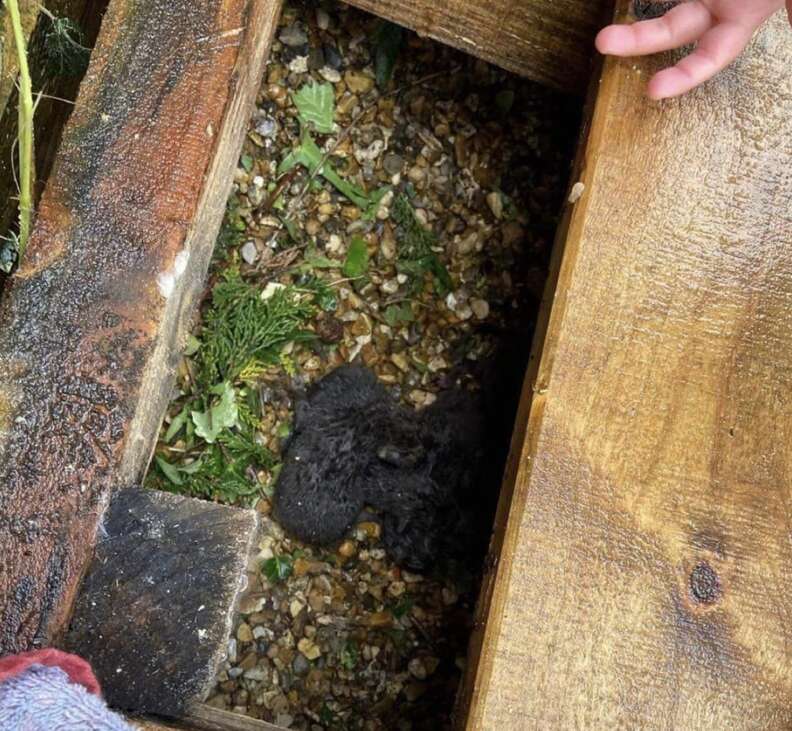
point(679, 26)
point(717, 49)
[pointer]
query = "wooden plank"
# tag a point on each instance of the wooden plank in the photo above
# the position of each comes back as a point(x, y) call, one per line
point(645, 564)
point(176, 566)
point(550, 41)
point(91, 326)
point(207, 718)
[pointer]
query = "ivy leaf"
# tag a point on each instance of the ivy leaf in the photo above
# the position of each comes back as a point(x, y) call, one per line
point(223, 415)
point(316, 106)
point(357, 261)
point(277, 568)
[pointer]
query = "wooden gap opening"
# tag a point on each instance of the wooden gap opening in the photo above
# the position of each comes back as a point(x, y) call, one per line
point(483, 159)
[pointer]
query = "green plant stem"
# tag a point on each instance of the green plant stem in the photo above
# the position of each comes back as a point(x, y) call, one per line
point(25, 131)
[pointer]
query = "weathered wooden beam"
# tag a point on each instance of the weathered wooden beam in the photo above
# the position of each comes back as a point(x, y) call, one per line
point(157, 605)
point(642, 580)
point(550, 41)
point(91, 326)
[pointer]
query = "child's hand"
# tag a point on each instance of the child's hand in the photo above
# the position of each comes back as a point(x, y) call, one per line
point(720, 28)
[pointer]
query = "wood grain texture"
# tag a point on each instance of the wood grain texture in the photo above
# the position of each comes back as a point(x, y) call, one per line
point(92, 324)
point(550, 41)
point(644, 572)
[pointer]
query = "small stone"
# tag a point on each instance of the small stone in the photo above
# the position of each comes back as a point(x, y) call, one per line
point(293, 35)
point(369, 530)
point(393, 163)
point(312, 227)
point(450, 597)
point(417, 669)
point(251, 604)
point(244, 633)
point(495, 202)
point(335, 245)
point(481, 308)
point(400, 361)
point(380, 619)
point(257, 674)
point(512, 233)
point(322, 19)
point(249, 661)
point(388, 246)
point(357, 82)
point(329, 329)
point(231, 654)
point(577, 191)
point(316, 59)
point(267, 127)
point(332, 56)
point(300, 664)
point(284, 720)
point(347, 549)
point(296, 607)
point(309, 648)
point(299, 65)
point(260, 633)
point(249, 252)
point(397, 588)
point(330, 74)
point(390, 286)
point(416, 174)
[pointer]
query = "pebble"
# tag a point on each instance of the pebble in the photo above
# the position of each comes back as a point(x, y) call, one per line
point(393, 163)
point(293, 35)
point(249, 252)
point(495, 202)
point(358, 82)
point(256, 674)
point(267, 127)
point(417, 669)
point(244, 633)
point(330, 74)
point(347, 549)
point(322, 19)
point(299, 65)
point(309, 648)
point(480, 308)
point(296, 607)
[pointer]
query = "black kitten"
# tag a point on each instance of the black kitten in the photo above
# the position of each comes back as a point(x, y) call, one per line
point(353, 446)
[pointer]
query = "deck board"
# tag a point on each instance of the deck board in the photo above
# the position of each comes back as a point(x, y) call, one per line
point(644, 570)
point(550, 41)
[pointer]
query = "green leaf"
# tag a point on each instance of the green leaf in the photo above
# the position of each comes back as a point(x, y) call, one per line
point(350, 655)
point(247, 162)
point(389, 42)
point(357, 261)
point(283, 430)
point(277, 568)
point(397, 314)
point(192, 347)
point(171, 472)
point(374, 202)
point(223, 415)
point(316, 106)
point(176, 425)
point(310, 156)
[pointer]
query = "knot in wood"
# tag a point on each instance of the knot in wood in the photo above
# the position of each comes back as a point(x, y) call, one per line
point(704, 584)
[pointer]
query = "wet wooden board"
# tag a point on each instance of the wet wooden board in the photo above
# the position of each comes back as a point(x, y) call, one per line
point(645, 565)
point(550, 41)
point(92, 325)
point(175, 566)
